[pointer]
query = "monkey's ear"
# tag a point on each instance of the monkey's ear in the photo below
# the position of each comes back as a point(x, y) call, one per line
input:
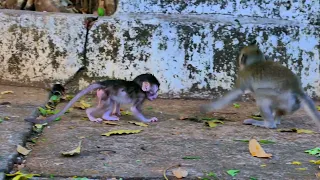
point(145, 86)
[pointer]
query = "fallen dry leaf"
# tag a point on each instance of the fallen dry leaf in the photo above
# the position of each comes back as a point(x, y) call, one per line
point(256, 150)
point(306, 131)
point(315, 161)
point(318, 175)
point(73, 152)
point(110, 123)
point(213, 123)
point(84, 118)
point(81, 105)
point(125, 113)
point(180, 172)
point(22, 150)
point(138, 123)
point(7, 92)
point(18, 175)
point(299, 131)
point(121, 132)
point(295, 163)
point(301, 169)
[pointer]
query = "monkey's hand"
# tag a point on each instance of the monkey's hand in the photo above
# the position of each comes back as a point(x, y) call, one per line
point(222, 102)
point(260, 123)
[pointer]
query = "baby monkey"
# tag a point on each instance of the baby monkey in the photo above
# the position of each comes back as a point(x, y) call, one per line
point(148, 83)
point(113, 92)
point(277, 89)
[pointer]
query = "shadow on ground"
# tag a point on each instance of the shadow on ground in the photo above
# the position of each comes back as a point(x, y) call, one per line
point(165, 143)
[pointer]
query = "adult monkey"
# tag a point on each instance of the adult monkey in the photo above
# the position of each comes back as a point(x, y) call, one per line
point(277, 90)
point(115, 91)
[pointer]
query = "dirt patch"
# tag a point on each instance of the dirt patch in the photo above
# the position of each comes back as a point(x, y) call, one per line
point(165, 143)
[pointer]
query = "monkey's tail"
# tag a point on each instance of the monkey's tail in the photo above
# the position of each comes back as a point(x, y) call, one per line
point(73, 100)
point(310, 108)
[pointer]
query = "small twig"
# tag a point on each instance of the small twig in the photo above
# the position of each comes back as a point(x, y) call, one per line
point(165, 171)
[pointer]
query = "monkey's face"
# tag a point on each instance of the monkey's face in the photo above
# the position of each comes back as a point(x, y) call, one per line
point(152, 94)
point(249, 55)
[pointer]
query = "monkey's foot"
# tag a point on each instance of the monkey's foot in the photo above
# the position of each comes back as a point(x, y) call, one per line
point(110, 118)
point(259, 123)
point(116, 114)
point(98, 120)
point(153, 119)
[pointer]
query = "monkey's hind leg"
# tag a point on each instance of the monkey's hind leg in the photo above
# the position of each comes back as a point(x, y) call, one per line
point(89, 112)
point(109, 117)
point(116, 110)
point(266, 113)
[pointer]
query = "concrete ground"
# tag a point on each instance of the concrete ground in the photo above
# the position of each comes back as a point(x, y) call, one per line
point(13, 129)
point(160, 145)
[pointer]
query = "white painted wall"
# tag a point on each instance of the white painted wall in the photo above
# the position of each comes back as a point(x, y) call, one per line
point(191, 50)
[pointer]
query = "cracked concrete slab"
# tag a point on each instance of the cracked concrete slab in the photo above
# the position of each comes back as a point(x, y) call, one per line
point(160, 145)
point(15, 130)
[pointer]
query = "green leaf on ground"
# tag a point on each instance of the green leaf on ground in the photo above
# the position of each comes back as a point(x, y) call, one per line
point(55, 98)
point(51, 112)
point(314, 151)
point(253, 178)
point(208, 119)
point(149, 108)
point(1, 120)
point(233, 172)
point(236, 105)
point(263, 141)
point(241, 140)
point(84, 178)
point(43, 112)
point(211, 174)
point(191, 157)
point(33, 140)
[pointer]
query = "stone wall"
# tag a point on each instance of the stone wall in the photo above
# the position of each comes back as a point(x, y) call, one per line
point(38, 47)
point(191, 46)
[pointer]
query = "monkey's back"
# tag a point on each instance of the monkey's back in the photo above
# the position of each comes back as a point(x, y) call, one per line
point(132, 88)
point(269, 74)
